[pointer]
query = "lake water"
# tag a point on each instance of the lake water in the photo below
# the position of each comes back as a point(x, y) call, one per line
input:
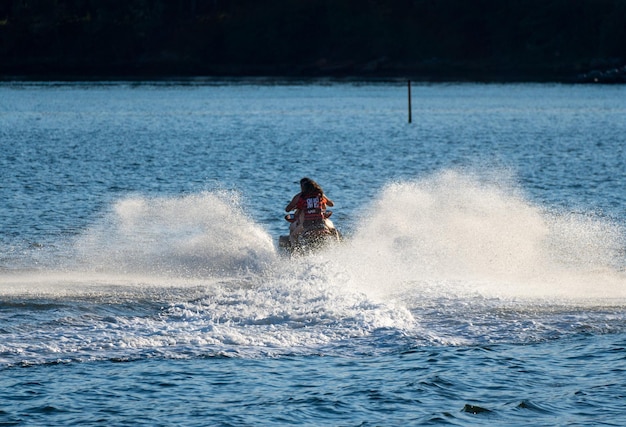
point(481, 281)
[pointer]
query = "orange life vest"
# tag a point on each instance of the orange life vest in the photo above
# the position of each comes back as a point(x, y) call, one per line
point(313, 205)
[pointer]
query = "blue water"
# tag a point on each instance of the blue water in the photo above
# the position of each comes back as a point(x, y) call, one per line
point(482, 279)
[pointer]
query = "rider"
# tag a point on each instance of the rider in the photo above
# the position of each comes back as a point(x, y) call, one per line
point(310, 208)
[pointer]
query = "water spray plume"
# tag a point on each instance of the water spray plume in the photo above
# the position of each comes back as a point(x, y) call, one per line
point(484, 236)
point(193, 235)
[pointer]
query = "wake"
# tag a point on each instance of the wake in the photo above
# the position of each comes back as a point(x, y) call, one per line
point(447, 235)
point(451, 259)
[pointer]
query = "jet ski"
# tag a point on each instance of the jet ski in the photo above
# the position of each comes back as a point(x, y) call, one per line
point(314, 236)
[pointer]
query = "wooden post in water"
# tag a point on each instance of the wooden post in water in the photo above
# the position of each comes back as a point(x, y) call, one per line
point(410, 112)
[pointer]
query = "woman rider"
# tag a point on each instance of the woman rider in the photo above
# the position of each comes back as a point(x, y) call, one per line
point(310, 206)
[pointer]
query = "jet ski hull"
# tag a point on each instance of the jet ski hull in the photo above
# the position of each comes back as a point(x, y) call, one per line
point(309, 241)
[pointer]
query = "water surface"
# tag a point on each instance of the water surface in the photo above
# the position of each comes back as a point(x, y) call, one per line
point(481, 281)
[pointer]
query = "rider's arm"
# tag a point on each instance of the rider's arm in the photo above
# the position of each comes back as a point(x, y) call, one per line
point(329, 202)
point(292, 205)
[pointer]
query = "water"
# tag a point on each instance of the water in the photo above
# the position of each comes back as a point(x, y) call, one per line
point(482, 279)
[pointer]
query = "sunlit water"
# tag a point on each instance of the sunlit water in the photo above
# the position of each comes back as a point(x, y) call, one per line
point(481, 281)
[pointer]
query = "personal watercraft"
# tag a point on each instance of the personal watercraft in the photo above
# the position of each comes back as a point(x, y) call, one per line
point(313, 236)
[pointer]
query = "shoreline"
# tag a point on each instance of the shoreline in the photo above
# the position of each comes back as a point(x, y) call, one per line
point(349, 71)
point(613, 76)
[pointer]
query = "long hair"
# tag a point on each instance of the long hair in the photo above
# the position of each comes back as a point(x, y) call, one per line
point(309, 186)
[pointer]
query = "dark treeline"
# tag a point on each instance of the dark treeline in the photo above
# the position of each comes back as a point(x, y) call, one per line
point(431, 39)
